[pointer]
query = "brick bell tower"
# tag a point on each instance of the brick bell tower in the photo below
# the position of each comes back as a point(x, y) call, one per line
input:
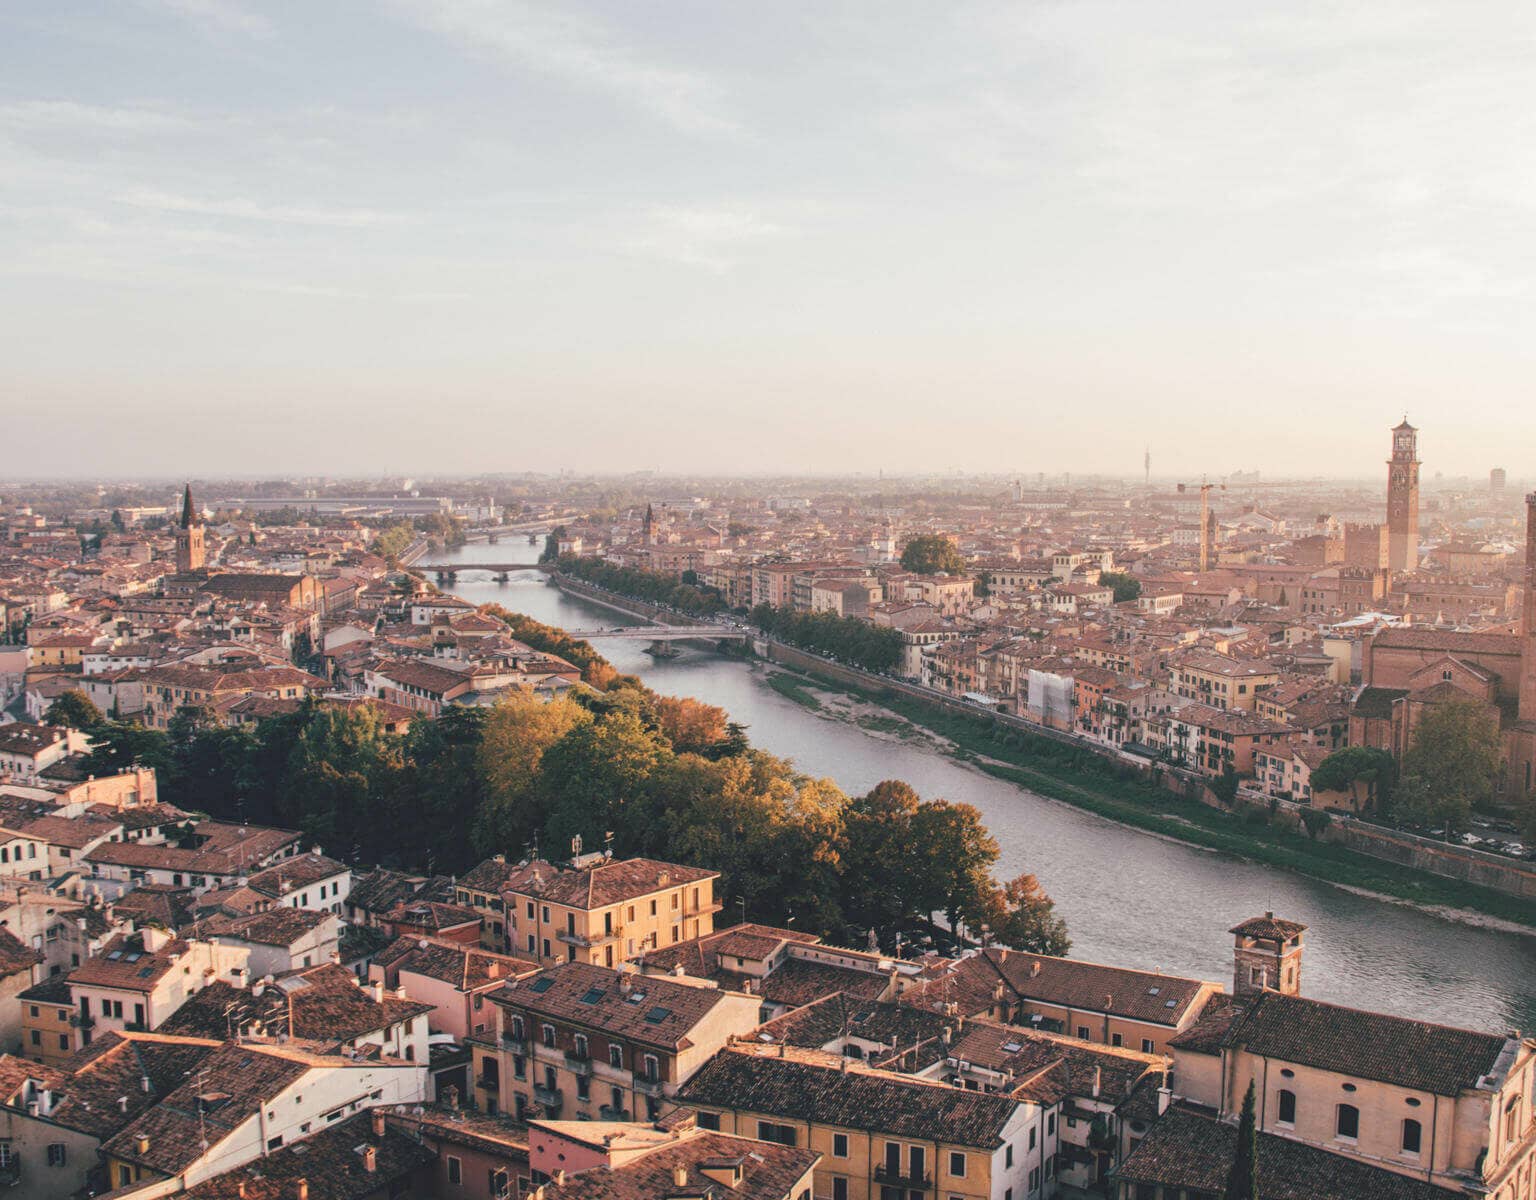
point(190, 552)
point(1266, 956)
point(1403, 500)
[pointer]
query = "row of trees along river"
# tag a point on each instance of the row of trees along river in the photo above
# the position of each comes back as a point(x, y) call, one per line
point(1127, 897)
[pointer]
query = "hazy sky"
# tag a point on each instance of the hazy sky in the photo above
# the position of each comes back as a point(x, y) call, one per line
point(369, 235)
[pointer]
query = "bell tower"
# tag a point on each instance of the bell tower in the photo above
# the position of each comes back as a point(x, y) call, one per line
point(190, 553)
point(1266, 956)
point(1403, 500)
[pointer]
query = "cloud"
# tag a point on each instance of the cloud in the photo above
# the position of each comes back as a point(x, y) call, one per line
point(219, 18)
point(712, 238)
point(67, 116)
point(555, 41)
point(250, 210)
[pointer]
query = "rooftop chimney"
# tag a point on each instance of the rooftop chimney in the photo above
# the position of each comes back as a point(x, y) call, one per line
point(378, 1122)
point(301, 1189)
point(1034, 968)
point(680, 1176)
point(1098, 1081)
point(1164, 1096)
point(370, 1159)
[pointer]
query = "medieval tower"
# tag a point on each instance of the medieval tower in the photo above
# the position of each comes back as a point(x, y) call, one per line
point(190, 553)
point(1403, 500)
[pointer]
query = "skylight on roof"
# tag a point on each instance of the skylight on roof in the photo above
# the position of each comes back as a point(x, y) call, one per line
point(542, 985)
point(1152, 991)
point(1013, 1047)
point(635, 997)
point(593, 995)
point(115, 955)
point(1170, 1004)
point(658, 1014)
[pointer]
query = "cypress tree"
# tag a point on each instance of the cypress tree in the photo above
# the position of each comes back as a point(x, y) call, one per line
point(1243, 1179)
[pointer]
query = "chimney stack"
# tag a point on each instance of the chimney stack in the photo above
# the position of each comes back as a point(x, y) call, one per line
point(378, 1122)
point(370, 1159)
point(301, 1189)
point(680, 1176)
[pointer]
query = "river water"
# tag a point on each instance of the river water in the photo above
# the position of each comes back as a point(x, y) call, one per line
point(1129, 898)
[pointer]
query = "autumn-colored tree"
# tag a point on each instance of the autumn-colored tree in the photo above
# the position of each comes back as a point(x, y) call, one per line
point(1023, 917)
point(517, 732)
point(692, 726)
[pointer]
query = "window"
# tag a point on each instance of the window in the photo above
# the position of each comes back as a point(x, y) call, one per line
point(839, 1188)
point(1348, 1122)
point(274, 1143)
point(839, 1145)
point(1287, 1107)
point(768, 1131)
point(1082, 1032)
point(957, 1162)
point(549, 1035)
point(1413, 1135)
point(616, 1057)
point(1116, 1040)
point(1146, 1046)
point(1031, 1137)
point(1008, 1155)
point(652, 1071)
point(583, 1087)
point(56, 1151)
point(455, 1171)
point(1050, 1124)
point(709, 1120)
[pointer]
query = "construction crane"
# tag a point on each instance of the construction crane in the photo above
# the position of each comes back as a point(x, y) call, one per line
point(1205, 520)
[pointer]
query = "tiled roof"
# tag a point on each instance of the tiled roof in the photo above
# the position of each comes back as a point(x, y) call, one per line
point(653, 1010)
point(1269, 927)
point(810, 1086)
point(1185, 1149)
point(1366, 1045)
point(16, 957)
point(464, 968)
point(769, 1172)
point(125, 963)
point(799, 981)
point(297, 872)
point(331, 1161)
point(1416, 637)
point(612, 882)
point(114, 1067)
point(700, 956)
point(824, 1024)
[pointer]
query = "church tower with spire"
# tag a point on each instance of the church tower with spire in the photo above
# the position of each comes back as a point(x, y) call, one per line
point(190, 552)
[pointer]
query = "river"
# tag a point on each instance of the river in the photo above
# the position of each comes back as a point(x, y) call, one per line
point(1129, 898)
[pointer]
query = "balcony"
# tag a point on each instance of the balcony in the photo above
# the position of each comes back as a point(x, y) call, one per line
point(82, 1021)
point(10, 1173)
point(902, 1178)
point(516, 1045)
point(489, 1083)
point(596, 939)
point(647, 1086)
point(578, 1062)
point(607, 1112)
point(550, 1098)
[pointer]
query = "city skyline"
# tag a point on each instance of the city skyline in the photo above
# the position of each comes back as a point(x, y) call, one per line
point(930, 240)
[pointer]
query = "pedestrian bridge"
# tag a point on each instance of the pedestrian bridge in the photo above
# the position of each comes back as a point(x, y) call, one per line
point(665, 633)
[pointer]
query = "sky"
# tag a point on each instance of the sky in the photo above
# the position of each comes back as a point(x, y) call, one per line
point(373, 236)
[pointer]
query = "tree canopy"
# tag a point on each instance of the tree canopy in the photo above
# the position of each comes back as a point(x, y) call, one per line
point(1451, 765)
point(931, 553)
point(74, 709)
point(1126, 587)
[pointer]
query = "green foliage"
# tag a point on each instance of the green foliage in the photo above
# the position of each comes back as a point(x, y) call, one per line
point(394, 541)
point(440, 527)
point(1127, 587)
point(931, 554)
point(1451, 766)
point(1243, 1178)
point(873, 647)
point(651, 586)
point(1224, 786)
point(1366, 773)
point(1315, 821)
point(74, 709)
point(595, 669)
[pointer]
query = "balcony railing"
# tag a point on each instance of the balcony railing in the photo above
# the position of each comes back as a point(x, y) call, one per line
point(648, 1086)
point(490, 1083)
point(517, 1045)
point(578, 1062)
point(550, 1098)
point(902, 1177)
point(607, 1112)
point(590, 940)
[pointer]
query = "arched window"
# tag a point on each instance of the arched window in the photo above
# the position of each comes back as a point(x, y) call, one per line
point(1413, 1135)
point(1348, 1124)
point(1287, 1107)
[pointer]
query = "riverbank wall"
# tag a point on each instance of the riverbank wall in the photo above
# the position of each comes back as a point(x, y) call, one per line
point(1511, 877)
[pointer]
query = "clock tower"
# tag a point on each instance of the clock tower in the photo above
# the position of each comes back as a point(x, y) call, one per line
point(1403, 499)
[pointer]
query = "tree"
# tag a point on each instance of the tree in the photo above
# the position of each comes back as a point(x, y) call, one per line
point(952, 856)
point(1451, 764)
point(74, 709)
point(1243, 1178)
point(517, 732)
point(1127, 587)
point(879, 830)
point(596, 780)
point(1366, 773)
point(1024, 917)
point(929, 554)
point(1224, 786)
point(692, 726)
